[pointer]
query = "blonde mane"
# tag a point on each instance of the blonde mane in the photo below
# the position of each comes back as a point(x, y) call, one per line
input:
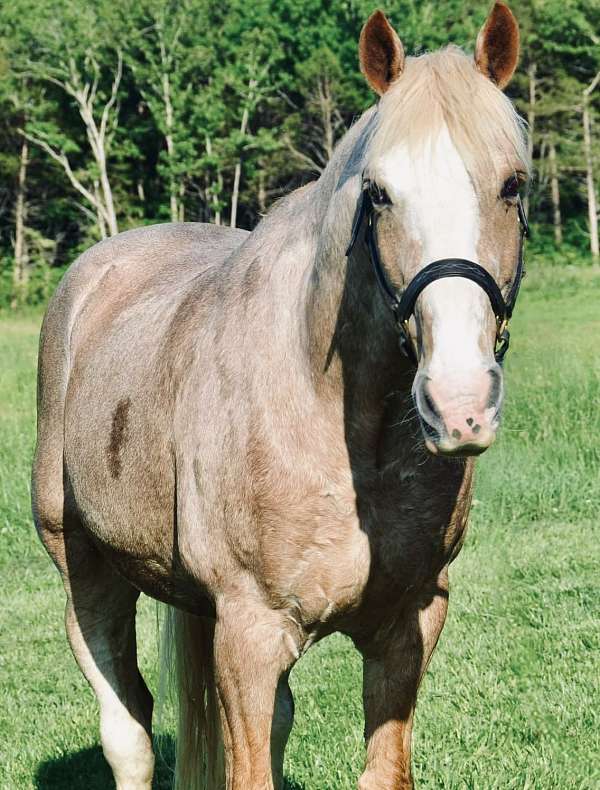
point(445, 87)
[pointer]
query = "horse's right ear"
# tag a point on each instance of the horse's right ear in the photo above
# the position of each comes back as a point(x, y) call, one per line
point(381, 53)
point(497, 47)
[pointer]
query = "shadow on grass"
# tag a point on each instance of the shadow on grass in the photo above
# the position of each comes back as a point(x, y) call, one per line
point(88, 770)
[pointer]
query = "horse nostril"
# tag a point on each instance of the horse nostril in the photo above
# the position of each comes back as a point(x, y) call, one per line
point(456, 434)
point(476, 428)
point(495, 387)
point(431, 420)
point(428, 402)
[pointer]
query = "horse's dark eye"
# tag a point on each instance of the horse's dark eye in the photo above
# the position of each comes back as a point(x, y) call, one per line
point(378, 195)
point(510, 189)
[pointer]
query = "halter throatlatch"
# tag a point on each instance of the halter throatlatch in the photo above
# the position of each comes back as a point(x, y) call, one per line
point(402, 303)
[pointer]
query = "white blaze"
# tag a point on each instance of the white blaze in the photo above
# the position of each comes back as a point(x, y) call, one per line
point(442, 214)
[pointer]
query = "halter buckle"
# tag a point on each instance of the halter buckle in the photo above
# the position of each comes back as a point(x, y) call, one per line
point(502, 340)
point(501, 327)
point(405, 341)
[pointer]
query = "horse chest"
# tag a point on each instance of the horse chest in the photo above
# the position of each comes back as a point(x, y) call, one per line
point(355, 550)
point(415, 529)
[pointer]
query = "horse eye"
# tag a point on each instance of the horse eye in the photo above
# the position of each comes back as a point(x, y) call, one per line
point(379, 196)
point(510, 189)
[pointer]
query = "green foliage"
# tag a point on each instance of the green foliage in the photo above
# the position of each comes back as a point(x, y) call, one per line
point(256, 94)
point(41, 283)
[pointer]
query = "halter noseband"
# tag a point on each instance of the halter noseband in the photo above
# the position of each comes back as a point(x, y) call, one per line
point(402, 304)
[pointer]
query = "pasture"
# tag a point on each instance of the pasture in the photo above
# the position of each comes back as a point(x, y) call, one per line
point(512, 697)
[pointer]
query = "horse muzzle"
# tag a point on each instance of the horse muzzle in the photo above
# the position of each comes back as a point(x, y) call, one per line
point(459, 414)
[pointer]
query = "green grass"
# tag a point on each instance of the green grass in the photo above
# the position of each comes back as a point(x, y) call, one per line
point(512, 697)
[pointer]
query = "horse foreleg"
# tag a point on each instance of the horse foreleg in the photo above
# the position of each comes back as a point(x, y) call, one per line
point(254, 650)
point(394, 663)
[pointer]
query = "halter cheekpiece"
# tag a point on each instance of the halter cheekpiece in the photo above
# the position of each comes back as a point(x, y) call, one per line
point(402, 303)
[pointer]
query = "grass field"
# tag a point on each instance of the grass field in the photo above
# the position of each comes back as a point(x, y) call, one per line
point(512, 698)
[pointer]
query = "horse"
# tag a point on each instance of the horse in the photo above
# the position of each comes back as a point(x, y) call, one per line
point(274, 432)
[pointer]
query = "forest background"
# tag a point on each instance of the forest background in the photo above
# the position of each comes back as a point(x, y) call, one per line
point(115, 115)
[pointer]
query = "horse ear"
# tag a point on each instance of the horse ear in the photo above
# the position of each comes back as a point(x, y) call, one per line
point(497, 48)
point(381, 53)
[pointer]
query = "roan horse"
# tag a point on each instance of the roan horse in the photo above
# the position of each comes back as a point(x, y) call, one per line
point(226, 422)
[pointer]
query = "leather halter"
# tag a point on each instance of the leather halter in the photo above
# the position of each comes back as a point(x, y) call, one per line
point(402, 303)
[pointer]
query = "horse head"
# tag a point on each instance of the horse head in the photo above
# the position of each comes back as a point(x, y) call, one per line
point(443, 169)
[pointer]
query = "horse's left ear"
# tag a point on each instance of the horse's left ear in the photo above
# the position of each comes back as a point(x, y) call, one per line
point(381, 53)
point(497, 48)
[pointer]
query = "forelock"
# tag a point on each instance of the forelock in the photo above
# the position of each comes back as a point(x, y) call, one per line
point(445, 88)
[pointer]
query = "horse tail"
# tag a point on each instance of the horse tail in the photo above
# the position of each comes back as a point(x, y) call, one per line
point(187, 661)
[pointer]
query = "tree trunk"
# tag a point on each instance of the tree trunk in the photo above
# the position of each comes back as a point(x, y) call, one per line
point(99, 214)
point(85, 95)
point(111, 214)
point(20, 273)
point(209, 192)
point(237, 174)
point(170, 144)
point(532, 75)
point(326, 104)
point(238, 167)
point(262, 191)
point(555, 193)
point(589, 173)
point(218, 218)
point(181, 212)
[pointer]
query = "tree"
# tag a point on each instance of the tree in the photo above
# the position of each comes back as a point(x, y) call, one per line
point(315, 127)
point(99, 114)
point(20, 103)
point(170, 71)
point(69, 53)
point(190, 109)
point(559, 58)
point(246, 78)
point(589, 167)
point(15, 163)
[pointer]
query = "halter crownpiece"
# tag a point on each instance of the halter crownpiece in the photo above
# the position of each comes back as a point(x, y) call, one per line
point(402, 304)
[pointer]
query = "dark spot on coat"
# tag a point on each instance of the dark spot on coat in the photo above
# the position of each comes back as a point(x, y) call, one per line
point(118, 437)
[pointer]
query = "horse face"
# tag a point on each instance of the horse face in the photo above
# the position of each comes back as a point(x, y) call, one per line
point(437, 210)
point(435, 207)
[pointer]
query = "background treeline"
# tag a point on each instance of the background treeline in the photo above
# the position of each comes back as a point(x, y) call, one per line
point(117, 114)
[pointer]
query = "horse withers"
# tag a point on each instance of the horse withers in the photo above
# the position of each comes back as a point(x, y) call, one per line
point(273, 432)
